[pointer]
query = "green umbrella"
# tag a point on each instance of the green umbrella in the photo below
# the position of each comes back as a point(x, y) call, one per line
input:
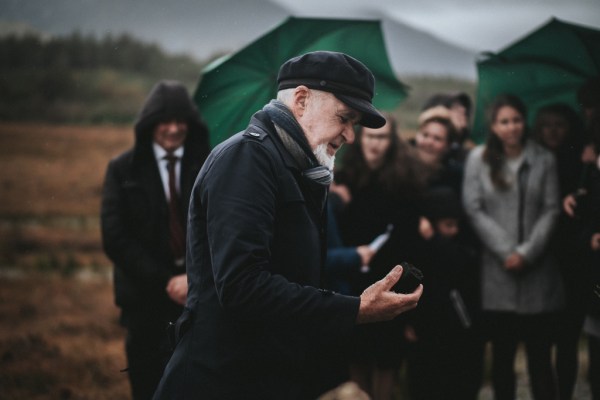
point(236, 86)
point(547, 66)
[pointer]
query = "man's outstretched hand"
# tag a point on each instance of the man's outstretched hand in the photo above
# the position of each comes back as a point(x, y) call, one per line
point(379, 303)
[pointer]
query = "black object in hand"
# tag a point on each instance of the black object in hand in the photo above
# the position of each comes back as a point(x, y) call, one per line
point(410, 279)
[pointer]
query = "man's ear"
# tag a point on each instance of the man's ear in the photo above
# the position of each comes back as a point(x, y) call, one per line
point(300, 100)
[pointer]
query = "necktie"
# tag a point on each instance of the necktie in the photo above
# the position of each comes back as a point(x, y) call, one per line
point(176, 225)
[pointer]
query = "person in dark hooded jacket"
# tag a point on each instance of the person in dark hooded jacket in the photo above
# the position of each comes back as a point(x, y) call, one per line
point(144, 209)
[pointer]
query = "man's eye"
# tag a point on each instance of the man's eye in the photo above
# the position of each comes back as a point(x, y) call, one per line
point(343, 119)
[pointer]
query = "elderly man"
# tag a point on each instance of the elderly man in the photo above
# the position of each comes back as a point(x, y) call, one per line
point(256, 244)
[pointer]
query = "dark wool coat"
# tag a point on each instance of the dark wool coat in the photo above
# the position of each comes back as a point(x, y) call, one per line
point(134, 212)
point(255, 254)
point(372, 208)
point(591, 215)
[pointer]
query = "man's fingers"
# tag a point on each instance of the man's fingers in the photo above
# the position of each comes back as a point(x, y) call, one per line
point(411, 300)
point(416, 295)
point(418, 291)
point(392, 278)
point(569, 204)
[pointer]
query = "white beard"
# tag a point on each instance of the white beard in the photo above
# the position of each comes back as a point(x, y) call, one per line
point(323, 158)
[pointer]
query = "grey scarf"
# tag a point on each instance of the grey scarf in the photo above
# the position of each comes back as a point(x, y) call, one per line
point(294, 140)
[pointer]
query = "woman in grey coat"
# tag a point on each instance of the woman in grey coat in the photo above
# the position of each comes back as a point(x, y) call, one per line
point(510, 194)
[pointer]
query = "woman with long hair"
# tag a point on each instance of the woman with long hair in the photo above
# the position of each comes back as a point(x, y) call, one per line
point(511, 196)
point(383, 178)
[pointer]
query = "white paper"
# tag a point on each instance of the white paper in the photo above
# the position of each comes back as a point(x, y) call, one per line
point(377, 243)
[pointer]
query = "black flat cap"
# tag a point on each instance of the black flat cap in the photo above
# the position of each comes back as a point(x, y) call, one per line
point(345, 77)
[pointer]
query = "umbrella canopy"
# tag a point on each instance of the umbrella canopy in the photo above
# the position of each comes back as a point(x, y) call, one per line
point(547, 66)
point(236, 86)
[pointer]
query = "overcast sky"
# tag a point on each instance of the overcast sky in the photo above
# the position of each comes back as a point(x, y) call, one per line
point(205, 27)
point(479, 25)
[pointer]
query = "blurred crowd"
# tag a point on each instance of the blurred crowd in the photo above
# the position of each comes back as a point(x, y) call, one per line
point(506, 234)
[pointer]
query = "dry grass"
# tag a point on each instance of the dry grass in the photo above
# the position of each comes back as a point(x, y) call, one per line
point(59, 339)
point(56, 170)
point(51, 183)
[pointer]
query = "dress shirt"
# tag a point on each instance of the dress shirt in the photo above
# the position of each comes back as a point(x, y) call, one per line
point(160, 154)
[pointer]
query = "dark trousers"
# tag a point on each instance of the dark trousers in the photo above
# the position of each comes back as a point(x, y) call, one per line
point(567, 350)
point(594, 368)
point(506, 330)
point(147, 349)
point(446, 368)
point(575, 275)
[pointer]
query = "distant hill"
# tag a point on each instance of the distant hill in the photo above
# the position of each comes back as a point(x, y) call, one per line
point(207, 27)
point(198, 27)
point(76, 78)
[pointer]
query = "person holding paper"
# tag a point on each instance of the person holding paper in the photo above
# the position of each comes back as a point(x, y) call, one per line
point(381, 177)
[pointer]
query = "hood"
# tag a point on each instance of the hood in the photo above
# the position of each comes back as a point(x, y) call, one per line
point(166, 101)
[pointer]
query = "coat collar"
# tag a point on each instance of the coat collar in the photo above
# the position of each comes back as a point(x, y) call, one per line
point(261, 121)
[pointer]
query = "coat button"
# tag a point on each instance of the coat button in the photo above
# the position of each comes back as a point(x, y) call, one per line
point(254, 134)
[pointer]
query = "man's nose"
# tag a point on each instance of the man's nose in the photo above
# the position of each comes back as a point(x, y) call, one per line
point(172, 126)
point(349, 134)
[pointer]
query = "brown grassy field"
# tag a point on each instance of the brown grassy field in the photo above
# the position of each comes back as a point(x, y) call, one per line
point(51, 182)
point(56, 170)
point(59, 336)
point(59, 339)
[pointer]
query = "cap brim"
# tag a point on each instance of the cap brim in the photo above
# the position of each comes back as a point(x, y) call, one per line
point(371, 118)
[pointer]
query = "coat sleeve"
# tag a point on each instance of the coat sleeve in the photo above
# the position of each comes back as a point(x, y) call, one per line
point(536, 242)
point(120, 244)
point(492, 235)
point(239, 194)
